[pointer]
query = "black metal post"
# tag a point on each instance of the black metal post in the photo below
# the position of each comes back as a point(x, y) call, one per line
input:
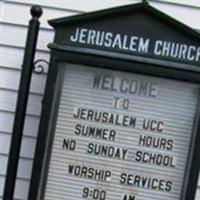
point(22, 100)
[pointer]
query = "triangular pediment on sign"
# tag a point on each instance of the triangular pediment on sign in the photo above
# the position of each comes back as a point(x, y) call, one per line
point(137, 29)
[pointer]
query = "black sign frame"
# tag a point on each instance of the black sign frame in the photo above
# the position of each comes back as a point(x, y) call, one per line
point(114, 61)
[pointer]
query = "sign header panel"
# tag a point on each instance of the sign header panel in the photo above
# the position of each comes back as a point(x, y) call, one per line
point(138, 30)
point(120, 135)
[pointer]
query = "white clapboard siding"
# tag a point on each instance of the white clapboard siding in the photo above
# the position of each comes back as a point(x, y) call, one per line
point(17, 56)
point(181, 13)
point(8, 103)
point(37, 83)
point(27, 148)
point(30, 127)
point(192, 3)
point(14, 16)
point(25, 166)
point(77, 5)
point(17, 39)
point(198, 194)
point(92, 5)
point(2, 179)
point(21, 188)
point(3, 161)
point(23, 14)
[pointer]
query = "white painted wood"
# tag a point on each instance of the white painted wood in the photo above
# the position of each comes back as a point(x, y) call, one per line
point(5, 140)
point(15, 61)
point(8, 102)
point(2, 179)
point(28, 145)
point(3, 164)
point(21, 189)
point(90, 5)
point(23, 14)
point(25, 167)
point(37, 83)
point(193, 3)
point(17, 55)
point(78, 5)
point(30, 127)
point(198, 194)
point(180, 13)
point(22, 184)
point(17, 39)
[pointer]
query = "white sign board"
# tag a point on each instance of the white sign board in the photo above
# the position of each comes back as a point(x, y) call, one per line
point(120, 135)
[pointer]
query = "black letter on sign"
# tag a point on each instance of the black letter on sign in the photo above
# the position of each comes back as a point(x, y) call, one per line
point(69, 144)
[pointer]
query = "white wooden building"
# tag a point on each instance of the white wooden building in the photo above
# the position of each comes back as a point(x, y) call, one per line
point(14, 16)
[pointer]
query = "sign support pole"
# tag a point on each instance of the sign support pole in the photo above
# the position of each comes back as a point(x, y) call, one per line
point(22, 100)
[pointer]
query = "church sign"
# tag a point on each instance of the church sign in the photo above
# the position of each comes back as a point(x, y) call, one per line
point(120, 117)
